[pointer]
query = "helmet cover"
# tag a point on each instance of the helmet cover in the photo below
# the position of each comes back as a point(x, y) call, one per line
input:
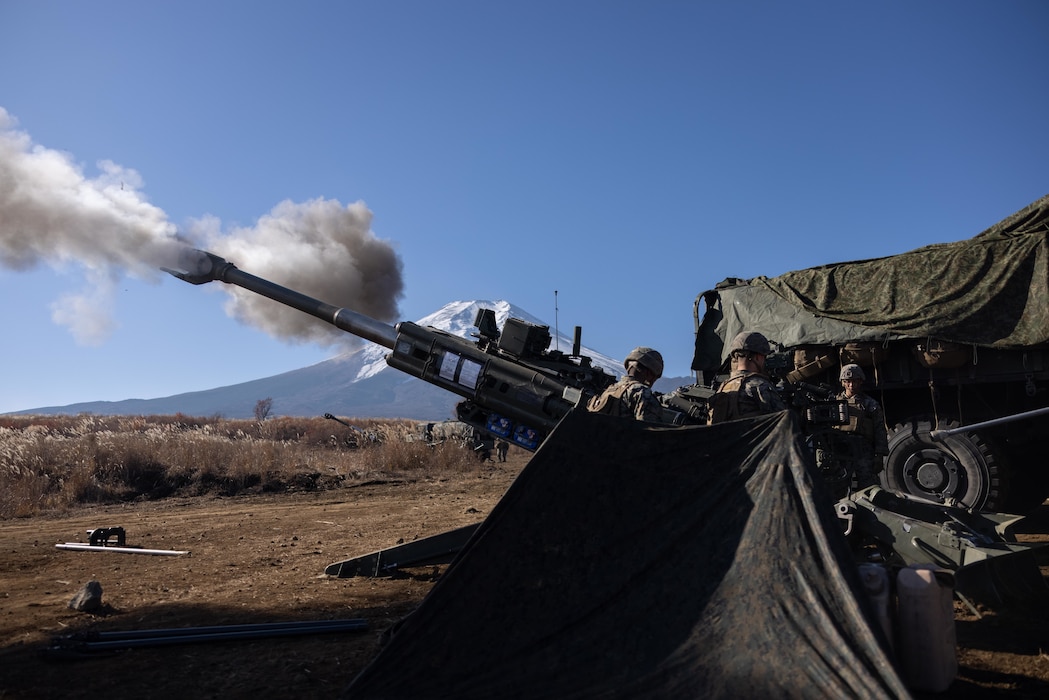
point(852, 372)
point(750, 341)
point(646, 357)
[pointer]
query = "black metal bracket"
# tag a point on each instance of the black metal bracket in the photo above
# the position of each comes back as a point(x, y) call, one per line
point(100, 536)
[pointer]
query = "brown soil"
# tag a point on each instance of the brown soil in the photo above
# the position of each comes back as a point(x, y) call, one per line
point(261, 558)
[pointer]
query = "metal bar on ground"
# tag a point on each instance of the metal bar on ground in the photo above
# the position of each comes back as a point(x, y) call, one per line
point(169, 637)
point(224, 629)
point(80, 547)
point(436, 549)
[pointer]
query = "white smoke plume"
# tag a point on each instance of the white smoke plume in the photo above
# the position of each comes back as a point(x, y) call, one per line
point(52, 213)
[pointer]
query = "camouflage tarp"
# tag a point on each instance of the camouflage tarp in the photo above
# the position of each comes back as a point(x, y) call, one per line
point(991, 290)
point(633, 561)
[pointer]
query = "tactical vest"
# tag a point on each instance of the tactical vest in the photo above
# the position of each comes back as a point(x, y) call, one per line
point(860, 423)
point(731, 402)
point(611, 401)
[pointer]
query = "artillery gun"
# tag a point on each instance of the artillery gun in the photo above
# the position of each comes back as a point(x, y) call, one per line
point(357, 437)
point(513, 387)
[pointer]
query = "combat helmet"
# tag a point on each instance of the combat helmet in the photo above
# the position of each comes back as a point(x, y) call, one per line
point(646, 357)
point(750, 341)
point(852, 372)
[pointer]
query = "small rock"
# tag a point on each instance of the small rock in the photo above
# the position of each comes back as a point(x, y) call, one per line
point(88, 598)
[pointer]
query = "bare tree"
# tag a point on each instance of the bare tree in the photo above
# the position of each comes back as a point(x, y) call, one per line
point(262, 409)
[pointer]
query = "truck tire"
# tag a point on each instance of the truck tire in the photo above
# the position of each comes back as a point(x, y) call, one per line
point(961, 466)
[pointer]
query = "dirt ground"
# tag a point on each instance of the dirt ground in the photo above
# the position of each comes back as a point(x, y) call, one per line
point(261, 559)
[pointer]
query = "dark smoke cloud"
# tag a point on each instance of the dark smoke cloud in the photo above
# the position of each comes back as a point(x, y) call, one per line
point(51, 213)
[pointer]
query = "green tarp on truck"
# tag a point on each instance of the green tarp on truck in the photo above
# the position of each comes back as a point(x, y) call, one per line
point(991, 290)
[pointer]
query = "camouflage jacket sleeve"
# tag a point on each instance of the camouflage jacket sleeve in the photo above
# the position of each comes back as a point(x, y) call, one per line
point(764, 392)
point(645, 404)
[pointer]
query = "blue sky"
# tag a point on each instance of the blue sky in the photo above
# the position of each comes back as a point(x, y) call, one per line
point(628, 155)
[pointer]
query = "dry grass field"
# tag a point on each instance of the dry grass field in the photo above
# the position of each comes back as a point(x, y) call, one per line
point(51, 463)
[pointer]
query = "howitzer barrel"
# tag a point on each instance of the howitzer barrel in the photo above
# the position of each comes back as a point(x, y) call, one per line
point(206, 267)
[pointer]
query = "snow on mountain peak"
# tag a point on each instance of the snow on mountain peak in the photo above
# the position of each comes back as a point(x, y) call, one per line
point(458, 317)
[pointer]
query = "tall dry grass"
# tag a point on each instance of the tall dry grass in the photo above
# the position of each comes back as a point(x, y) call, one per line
point(52, 463)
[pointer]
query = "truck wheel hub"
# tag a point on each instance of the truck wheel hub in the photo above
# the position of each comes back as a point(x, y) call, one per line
point(932, 471)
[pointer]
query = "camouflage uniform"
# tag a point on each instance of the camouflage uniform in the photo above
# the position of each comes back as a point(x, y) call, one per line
point(861, 443)
point(628, 397)
point(744, 394)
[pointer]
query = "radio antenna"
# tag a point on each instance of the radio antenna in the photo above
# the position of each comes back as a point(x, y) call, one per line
point(557, 333)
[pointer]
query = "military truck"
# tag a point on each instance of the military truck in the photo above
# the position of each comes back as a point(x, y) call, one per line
point(954, 341)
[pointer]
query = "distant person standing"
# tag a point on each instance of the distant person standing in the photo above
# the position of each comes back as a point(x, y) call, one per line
point(501, 448)
point(748, 391)
point(632, 395)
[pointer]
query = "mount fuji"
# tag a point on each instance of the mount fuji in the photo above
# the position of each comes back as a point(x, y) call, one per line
point(356, 383)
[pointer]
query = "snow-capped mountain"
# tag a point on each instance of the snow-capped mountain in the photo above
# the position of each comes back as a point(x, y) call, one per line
point(458, 317)
point(357, 383)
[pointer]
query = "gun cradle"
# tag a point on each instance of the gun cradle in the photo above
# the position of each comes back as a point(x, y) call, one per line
point(507, 398)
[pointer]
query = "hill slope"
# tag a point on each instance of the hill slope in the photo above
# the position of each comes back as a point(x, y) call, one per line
point(357, 383)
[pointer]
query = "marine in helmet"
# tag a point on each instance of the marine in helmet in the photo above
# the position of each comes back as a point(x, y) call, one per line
point(748, 391)
point(632, 395)
point(863, 441)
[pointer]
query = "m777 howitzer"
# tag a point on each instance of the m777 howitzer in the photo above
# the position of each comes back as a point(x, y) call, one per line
point(512, 386)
